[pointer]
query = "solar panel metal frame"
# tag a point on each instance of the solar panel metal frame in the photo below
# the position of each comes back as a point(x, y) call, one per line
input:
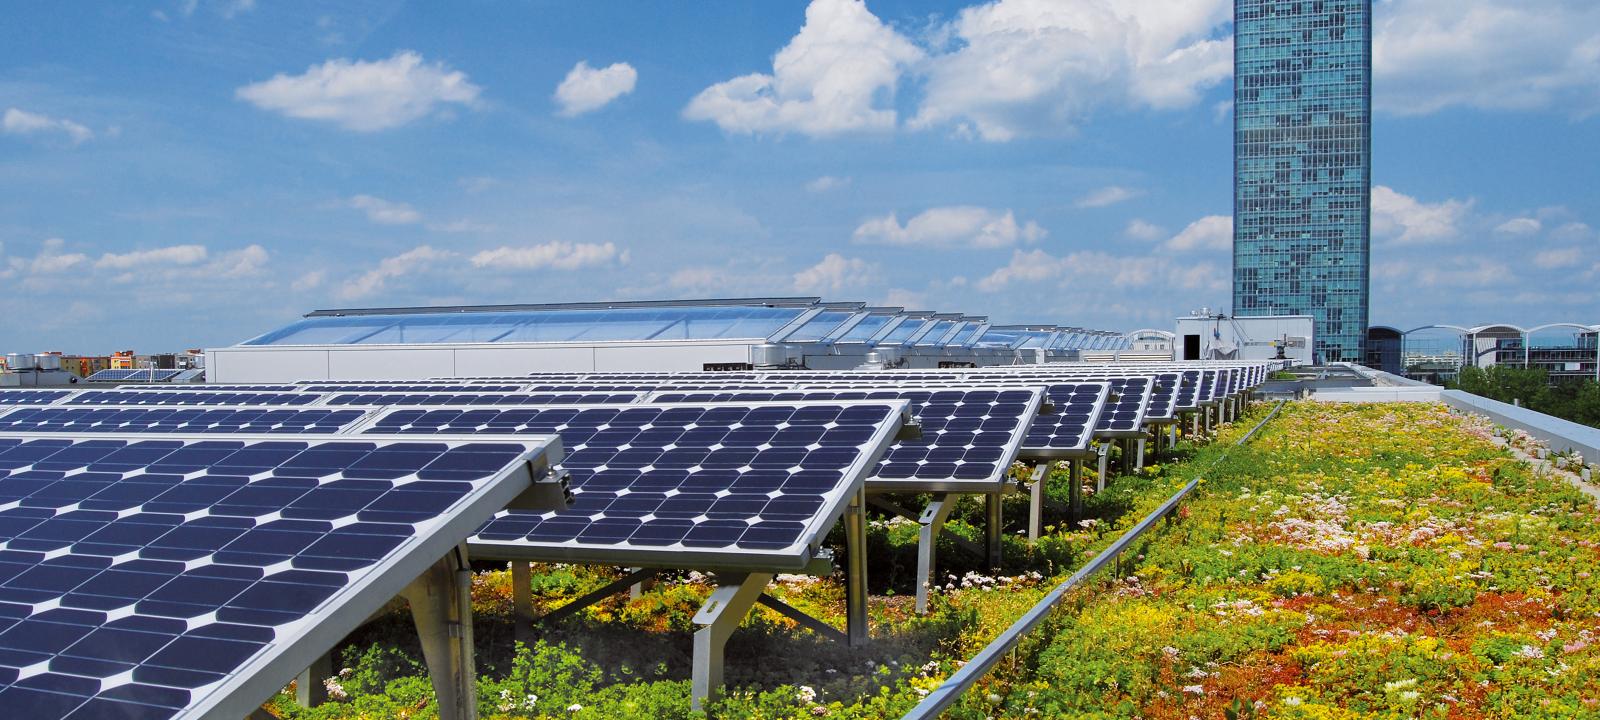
point(82, 398)
point(722, 560)
point(533, 400)
point(876, 484)
point(257, 679)
point(10, 392)
point(364, 413)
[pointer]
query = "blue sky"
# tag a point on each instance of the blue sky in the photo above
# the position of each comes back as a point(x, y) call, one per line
point(194, 172)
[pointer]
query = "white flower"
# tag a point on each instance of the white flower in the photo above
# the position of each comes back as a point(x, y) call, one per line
point(1194, 689)
point(574, 707)
point(806, 694)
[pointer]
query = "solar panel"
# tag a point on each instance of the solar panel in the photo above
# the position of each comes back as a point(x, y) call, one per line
point(696, 486)
point(1208, 387)
point(1187, 397)
point(224, 388)
point(11, 396)
point(179, 420)
point(472, 398)
point(193, 577)
point(126, 375)
point(969, 436)
point(1163, 397)
point(1066, 432)
point(190, 397)
point(436, 387)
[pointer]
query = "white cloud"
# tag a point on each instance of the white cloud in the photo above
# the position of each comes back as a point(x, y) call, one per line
point(1572, 232)
point(587, 89)
point(1108, 196)
point(1488, 54)
point(21, 122)
point(951, 227)
point(1141, 230)
point(557, 255)
point(1520, 226)
point(909, 299)
point(245, 262)
point(1213, 232)
point(1464, 272)
point(1407, 221)
point(51, 259)
point(364, 96)
point(1559, 258)
point(309, 281)
point(419, 258)
point(1039, 66)
point(384, 212)
point(171, 255)
point(837, 75)
point(827, 182)
point(836, 273)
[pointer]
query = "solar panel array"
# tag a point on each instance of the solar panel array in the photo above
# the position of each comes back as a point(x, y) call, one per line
point(162, 547)
point(125, 375)
point(969, 437)
point(157, 578)
point(67, 419)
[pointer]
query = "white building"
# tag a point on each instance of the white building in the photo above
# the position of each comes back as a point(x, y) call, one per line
point(1208, 336)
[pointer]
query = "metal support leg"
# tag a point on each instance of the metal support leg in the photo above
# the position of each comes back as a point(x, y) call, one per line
point(1074, 493)
point(441, 607)
point(1139, 456)
point(1172, 436)
point(855, 601)
point(932, 521)
point(1105, 461)
point(522, 601)
point(1036, 502)
point(309, 689)
point(993, 528)
point(638, 589)
point(718, 618)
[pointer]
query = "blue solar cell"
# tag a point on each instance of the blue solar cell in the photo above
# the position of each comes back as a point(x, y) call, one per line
point(127, 592)
point(178, 420)
point(126, 375)
point(676, 480)
point(402, 387)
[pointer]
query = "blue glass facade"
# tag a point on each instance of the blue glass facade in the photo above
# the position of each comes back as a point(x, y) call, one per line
point(1303, 165)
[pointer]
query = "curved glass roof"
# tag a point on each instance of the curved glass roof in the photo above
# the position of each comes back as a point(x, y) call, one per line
point(532, 326)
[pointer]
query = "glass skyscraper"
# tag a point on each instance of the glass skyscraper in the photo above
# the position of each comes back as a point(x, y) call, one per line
point(1303, 165)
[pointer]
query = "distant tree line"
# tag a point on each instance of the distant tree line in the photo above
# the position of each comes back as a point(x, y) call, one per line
point(1567, 398)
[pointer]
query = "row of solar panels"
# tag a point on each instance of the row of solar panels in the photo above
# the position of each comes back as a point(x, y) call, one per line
point(180, 575)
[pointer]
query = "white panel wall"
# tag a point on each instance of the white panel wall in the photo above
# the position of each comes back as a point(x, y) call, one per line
point(523, 360)
point(273, 366)
point(667, 358)
point(391, 363)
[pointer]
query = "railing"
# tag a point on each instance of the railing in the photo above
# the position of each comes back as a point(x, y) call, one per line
point(1560, 435)
point(942, 697)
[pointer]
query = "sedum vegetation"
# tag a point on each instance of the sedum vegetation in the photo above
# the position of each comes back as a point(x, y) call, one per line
point(1388, 561)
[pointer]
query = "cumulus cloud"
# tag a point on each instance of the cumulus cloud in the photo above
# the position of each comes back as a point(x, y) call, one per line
point(837, 75)
point(1488, 54)
point(835, 273)
point(21, 122)
point(245, 262)
point(587, 89)
point(1404, 220)
point(826, 183)
point(384, 212)
point(364, 96)
point(171, 255)
point(51, 259)
point(951, 227)
point(1141, 230)
point(1107, 196)
point(555, 255)
point(1463, 272)
point(1213, 232)
point(1520, 226)
point(1028, 66)
point(390, 268)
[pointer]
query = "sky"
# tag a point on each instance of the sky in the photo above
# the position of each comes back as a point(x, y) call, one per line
point(192, 173)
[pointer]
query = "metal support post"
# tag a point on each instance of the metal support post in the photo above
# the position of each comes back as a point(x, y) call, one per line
point(1036, 502)
point(1139, 456)
point(994, 528)
point(855, 537)
point(638, 589)
point(721, 614)
point(309, 689)
point(1074, 494)
point(932, 521)
point(1172, 436)
point(441, 607)
point(522, 601)
point(1105, 461)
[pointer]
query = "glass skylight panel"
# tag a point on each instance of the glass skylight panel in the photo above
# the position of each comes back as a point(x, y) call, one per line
point(818, 327)
point(866, 329)
point(614, 324)
point(940, 329)
point(904, 331)
point(193, 577)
